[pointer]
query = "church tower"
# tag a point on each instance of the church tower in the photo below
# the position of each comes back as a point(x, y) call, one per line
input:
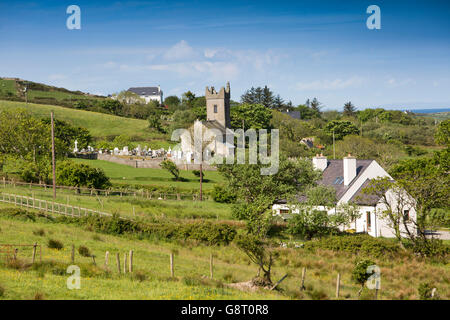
point(218, 105)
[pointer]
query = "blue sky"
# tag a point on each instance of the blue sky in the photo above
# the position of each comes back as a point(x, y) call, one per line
point(300, 49)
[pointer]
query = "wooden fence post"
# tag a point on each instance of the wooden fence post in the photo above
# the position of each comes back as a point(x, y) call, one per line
point(278, 282)
point(125, 262)
point(106, 258)
point(34, 253)
point(118, 262)
point(211, 267)
point(72, 258)
point(302, 287)
point(338, 284)
point(172, 273)
point(130, 267)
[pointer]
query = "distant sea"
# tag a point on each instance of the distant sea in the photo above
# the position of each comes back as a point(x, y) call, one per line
point(430, 110)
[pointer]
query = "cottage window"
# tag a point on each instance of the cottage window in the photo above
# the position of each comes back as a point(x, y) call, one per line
point(215, 108)
point(368, 219)
point(406, 215)
point(284, 211)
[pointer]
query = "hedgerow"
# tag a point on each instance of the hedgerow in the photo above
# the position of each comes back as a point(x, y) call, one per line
point(203, 231)
point(355, 244)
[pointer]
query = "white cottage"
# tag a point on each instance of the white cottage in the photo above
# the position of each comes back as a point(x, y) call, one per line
point(148, 93)
point(349, 177)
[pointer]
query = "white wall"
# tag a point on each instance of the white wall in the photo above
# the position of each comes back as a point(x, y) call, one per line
point(374, 170)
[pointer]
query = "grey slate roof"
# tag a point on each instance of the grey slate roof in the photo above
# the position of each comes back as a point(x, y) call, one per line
point(293, 114)
point(364, 199)
point(145, 91)
point(333, 175)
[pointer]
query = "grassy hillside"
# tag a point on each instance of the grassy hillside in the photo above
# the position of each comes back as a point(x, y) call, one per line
point(14, 89)
point(99, 124)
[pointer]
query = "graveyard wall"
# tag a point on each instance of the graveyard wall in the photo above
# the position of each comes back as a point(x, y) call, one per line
point(150, 163)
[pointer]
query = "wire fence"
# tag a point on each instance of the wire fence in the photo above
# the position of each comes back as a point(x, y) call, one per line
point(49, 206)
point(141, 193)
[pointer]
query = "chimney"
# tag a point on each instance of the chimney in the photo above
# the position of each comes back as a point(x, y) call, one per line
point(349, 169)
point(159, 88)
point(320, 162)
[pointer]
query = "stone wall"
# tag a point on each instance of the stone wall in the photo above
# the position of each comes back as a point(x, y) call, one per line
point(150, 163)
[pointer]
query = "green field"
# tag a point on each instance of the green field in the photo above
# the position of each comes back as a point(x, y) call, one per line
point(120, 173)
point(100, 125)
point(143, 208)
point(400, 277)
point(151, 261)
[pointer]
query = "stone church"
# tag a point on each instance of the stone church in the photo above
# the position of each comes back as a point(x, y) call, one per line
point(217, 126)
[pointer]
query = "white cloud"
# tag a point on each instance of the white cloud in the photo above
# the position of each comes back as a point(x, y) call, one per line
point(335, 84)
point(214, 70)
point(393, 83)
point(180, 51)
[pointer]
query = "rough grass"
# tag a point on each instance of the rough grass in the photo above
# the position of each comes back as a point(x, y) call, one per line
point(400, 275)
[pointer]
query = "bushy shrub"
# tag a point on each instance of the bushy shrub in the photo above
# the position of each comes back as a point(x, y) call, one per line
point(359, 273)
point(2, 291)
point(356, 244)
point(430, 248)
point(223, 195)
point(39, 232)
point(84, 251)
point(55, 244)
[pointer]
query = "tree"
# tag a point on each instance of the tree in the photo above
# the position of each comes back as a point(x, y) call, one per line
point(128, 97)
point(360, 273)
point(256, 193)
point(187, 99)
point(256, 250)
point(263, 96)
point(307, 113)
point(172, 101)
point(182, 119)
point(365, 148)
point(66, 134)
point(69, 173)
point(341, 129)
point(25, 139)
point(427, 183)
point(442, 135)
point(154, 120)
point(255, 116)
point(172, 168)
point(349, 109)
point(112, 106)
point(316, 105)
point(394, 200)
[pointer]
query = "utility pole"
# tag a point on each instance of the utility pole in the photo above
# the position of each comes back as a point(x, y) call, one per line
point(53, 155)
point(26, 94)
point(334, 149)
point(201, 180)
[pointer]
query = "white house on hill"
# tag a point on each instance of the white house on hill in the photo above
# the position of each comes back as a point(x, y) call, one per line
point(148, 93)
point(349, 177)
